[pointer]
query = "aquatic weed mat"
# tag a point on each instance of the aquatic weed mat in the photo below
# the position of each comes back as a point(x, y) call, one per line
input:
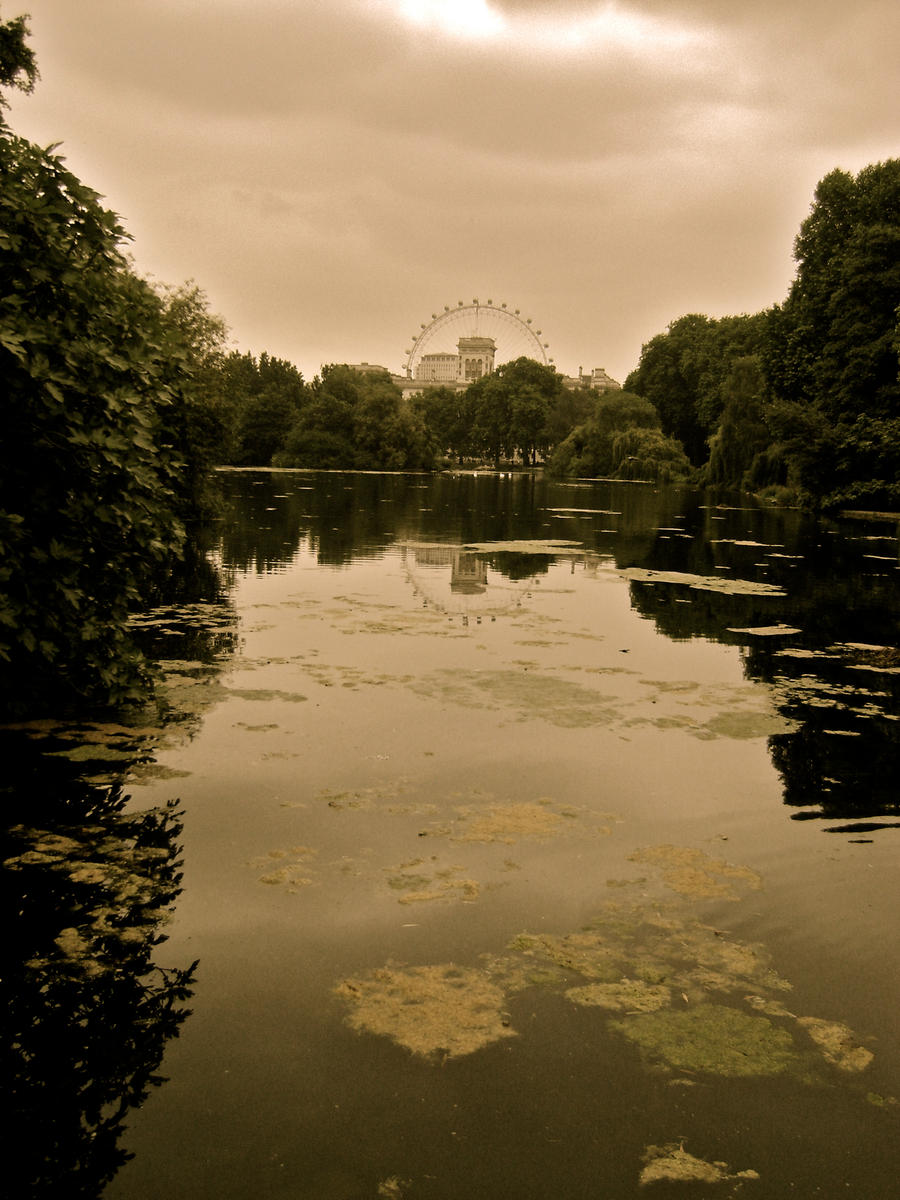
point(672, 1004)
point(444, 848)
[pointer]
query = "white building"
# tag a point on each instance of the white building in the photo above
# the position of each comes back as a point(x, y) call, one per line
point(474, 357)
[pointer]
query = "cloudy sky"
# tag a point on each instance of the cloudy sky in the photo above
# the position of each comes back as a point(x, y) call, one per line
point(331, 172)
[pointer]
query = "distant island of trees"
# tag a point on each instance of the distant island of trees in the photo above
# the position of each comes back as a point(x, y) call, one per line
point(121, 396)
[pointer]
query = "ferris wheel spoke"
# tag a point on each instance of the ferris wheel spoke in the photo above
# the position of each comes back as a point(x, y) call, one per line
point(514, 335)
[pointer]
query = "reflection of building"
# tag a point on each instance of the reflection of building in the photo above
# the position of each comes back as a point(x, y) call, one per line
point(468, 571)
point(474, 357)
point(435, 556)
point(468, 574)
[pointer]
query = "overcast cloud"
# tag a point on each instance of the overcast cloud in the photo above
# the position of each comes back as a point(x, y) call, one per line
point(331, 172)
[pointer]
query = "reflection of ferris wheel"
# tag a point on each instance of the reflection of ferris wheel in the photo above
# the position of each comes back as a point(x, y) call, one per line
point(515, 336)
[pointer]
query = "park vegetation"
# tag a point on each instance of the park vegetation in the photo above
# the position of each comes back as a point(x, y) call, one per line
point(107, 436)
point(802, 400)
point(121, 395)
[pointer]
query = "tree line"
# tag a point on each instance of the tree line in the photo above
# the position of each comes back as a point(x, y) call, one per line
point(348, 418)
point(803, 399)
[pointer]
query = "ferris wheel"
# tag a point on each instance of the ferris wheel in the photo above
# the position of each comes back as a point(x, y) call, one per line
point(514, 334)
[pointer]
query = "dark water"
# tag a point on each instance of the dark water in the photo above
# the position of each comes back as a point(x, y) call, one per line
point(487, 838)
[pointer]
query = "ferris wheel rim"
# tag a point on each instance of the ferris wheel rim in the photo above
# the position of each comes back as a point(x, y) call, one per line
point(502, 310)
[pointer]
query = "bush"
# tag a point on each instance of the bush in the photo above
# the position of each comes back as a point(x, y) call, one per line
point(621, 440)
point(93, 491)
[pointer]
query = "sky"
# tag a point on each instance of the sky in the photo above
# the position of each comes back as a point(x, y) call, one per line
point(332, 172)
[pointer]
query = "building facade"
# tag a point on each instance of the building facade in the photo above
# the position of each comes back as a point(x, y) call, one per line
point(474, 357)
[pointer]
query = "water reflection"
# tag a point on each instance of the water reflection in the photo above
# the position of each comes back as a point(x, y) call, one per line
point(812, 605)
point(824, 639)
point(91, 884)
point(88, 1011)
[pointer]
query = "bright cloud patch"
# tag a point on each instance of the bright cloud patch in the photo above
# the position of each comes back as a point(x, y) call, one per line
point(609, 27)
point(471, 19)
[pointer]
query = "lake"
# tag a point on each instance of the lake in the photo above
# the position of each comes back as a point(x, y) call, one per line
point(488, 837)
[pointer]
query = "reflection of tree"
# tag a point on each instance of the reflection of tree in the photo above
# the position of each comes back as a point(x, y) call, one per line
point(841, 763)
point(87, 1011)
point(844, 699)
point(341, 515)
point(518, 565)
point(189, 614)
point(831, 591)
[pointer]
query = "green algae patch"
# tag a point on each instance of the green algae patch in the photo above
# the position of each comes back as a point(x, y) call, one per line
point(721, 965)
point(292, 871)
point(526, 546)
point(443, 883)
point(584, 953)
point(838, 1044)
point(393, 1188)
point(694, 874)
point(288, 877)
point(629, 995)
point(702, 583)
point(408, 883)
point(264, 694)
point(656, 945)
point(506, 823)
point(389, 799)
point(745, 726)
point(672, 1164)
point(509, 822)
point(712, 1039)
point(529, 694)
point(435, 1012)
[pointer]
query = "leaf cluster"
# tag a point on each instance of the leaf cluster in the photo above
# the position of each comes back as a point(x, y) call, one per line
point(18, 66)
point(98, 471)
point(358, 420)
point(521, 409)
point(805, 395)
point(622, 439)
point(831, 355)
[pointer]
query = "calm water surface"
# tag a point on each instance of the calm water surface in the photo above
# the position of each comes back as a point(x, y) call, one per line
point(532, 841)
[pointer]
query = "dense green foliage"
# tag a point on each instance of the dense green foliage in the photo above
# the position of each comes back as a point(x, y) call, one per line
point(18, 67)
point(621, 439)
point(831, 354)
point(805, 396)
point(359, 420)
point(101, 455)
point(258, 401)
point(511, 411)
point(683, 373)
